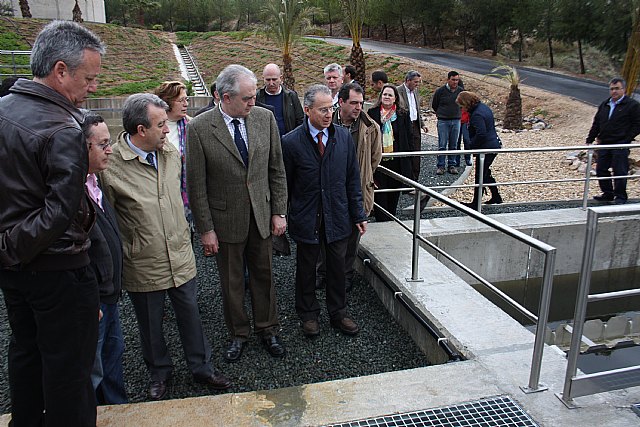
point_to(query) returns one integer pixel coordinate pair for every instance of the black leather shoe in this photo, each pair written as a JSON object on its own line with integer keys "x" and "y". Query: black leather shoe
{"x": 494, "y": 201}
{"x": 620, "y": 201}
{"x": 157, "y": 390}
{"x": 274, "y": 346}
{"x": 234, "y": 351}
{"x": 603, "y": 198}
{"x": 320, "y": 282}
{"x": 216, "y": 381}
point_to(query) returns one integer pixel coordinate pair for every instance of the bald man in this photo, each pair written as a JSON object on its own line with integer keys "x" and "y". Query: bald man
{"x": 286, "y": 104}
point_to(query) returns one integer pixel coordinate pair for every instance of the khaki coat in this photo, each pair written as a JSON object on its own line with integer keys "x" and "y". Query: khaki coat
{"x": 369, "y": 154}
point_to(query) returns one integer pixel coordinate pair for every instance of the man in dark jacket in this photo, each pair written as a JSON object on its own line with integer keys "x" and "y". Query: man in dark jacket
{"x": 45, "y": 217}
{"x": 286, "y": 104}
{"x": 617, "y": 121}
{"x": 325, "y": 202}
{"x": 106, "y": 262}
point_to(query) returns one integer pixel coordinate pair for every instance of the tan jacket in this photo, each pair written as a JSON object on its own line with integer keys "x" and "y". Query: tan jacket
{"x": 222, "y": 192}
{"x": 403, "y": 101}
{"x": 369, "y": 155}
{"x": 155, "y": 236}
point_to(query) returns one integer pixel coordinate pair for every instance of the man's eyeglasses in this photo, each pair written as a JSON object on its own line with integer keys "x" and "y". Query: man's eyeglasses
{"x": 104, "y": 145}
{"x": 326, "y": 110}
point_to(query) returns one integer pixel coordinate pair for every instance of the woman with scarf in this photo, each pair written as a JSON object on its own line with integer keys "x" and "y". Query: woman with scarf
{"x": 395, "y": 127}
{"x": 175, "y": 95}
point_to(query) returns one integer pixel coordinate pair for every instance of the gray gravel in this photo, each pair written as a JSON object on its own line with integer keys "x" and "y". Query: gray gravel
{"x": 381, "y": 346}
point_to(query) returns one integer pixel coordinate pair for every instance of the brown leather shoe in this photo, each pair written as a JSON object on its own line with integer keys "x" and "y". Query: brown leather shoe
{"x": 311, "y": 328}
{"x": 216, "y": 381}
{"x": 157, "y": 390}
{"x": 346, "y": 326}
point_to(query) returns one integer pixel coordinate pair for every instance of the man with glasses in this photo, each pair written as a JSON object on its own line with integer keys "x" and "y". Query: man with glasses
{"x": 49, "y": 290}
{"x": 325, "y": 205}
{"x": 238, "y": 192}
{"x": 617, "y": 121}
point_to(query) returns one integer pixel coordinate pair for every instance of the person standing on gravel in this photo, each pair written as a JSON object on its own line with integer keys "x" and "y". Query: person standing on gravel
{"x": 449, "y": 114}
{"x": 409, "y": 100}
{"x": 49, "y": 290}
{"x": 143, "y": 185}
{"x": 334, "y": 78}
{"x": 325, "y": 204}
{"x": 617, "y": 121}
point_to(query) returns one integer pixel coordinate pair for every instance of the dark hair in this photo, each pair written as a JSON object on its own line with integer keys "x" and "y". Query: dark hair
{"x": 7, "y": 82}
{"x": 399, "y": 109}
{"x": 617, "y": 80}
{"x": 452, "y": 74}
{"x": 351, "y": 70}
{"x": 346, "y": 89}
{"x": 135, "y": 111}
{"x": 91, "y": 120}
{"x": 379, "y": 75}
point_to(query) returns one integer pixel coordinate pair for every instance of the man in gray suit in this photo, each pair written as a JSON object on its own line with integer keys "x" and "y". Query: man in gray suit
{"x": 410, "y": 101}
{"x": 237, "y": 185}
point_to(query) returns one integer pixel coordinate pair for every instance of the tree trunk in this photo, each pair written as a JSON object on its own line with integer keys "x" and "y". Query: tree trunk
{"x": 357, "y": 60}
{"x": 386, "y": 31}
{"x": 520, "y": 41}
{"x": 77, "y": 13}
{"x": 24, "y": 9}
{"x": 404, "y": 31}
{"x": 513, "y": 110}
{"x": 550, "y": 52}
{"x": 440, "y": 37}
{"x": 494, "y": 50}
{"x": 140, "y": 17}
{"x": 631, "y": 65}
{"x": 368, "y": 31}
{"x": 465, "y": 46}
{"x": 582, "y": 70}
{"x": 288, "y": 79}
{"x": 424, "y": 34}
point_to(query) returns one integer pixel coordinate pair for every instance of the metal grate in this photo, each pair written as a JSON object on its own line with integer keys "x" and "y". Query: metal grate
{"x": 489, "y": 412}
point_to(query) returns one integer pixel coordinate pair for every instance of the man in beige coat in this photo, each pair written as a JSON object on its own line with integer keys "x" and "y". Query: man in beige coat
{"x": 143, "y": 185}
{"x": 238, "y": 192}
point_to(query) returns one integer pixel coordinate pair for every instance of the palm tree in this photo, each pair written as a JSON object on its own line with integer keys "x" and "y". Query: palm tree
{"x": 286, "y": 21}
{"x": 513, "y": 108}
{"x": 631, "y": 66}
{"x": 24, "y": 9}
{"x": 354, "y": 12}
{"x": 77, "y": 13}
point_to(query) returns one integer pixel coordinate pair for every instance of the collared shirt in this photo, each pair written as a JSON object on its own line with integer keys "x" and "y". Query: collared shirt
{"x": 413, "y": 110}
{"x": 232, "y": 129}
{"x": 314, "y": 133}
{"x": 141, "y": 153}
{"x": 94, "y": 191}
{"x": 612, "y": 104}
{"x": 273, "y": 94}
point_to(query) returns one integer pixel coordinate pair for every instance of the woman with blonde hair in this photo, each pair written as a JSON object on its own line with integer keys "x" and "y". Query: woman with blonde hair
{"x": 482, "y": 131}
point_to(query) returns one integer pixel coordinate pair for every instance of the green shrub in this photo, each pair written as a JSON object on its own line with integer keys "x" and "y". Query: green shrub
{"x": 158, "y": 27}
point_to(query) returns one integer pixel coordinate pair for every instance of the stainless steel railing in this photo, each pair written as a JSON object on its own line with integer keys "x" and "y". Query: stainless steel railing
{"x": 18, "y": 70}
{"x": 583, "y": 385}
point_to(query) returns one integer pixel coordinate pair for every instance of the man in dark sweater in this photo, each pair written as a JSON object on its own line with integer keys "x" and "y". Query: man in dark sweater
{"x": 448, "y": 113}
{"x": 617, "y": 121}
{"x": 286, "y": 104}
{"x": 106, "y": 262}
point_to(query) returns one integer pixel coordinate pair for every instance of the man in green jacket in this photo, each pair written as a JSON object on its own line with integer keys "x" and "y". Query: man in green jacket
{"x": 143, "y": 185}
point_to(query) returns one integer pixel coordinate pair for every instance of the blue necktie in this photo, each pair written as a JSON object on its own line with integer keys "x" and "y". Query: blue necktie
{"x": 150, "y": 160}
{"x": 237, "y": 138}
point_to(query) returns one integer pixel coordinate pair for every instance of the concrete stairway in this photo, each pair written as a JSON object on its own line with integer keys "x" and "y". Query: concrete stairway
{"x": 199, "y": 86}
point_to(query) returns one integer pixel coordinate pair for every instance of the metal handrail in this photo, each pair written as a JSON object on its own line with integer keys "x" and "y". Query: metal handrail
{"x": 549, "y": 264}
{"x": 575, "y": 386}
{"x": 13, "y": 65}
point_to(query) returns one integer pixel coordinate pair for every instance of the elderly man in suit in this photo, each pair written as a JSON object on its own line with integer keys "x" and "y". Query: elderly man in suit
{"x": 143, "y": 185}
{"x": 410, "y": 101}
{"x": 238, "y": 189}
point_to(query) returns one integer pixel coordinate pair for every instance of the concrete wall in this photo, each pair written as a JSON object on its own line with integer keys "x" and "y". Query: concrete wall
{"x": 498, "y": 257}
{"x": 92, "y": 10}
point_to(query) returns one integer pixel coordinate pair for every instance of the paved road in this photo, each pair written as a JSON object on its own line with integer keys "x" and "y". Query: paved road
{"x": 588, "y": 91}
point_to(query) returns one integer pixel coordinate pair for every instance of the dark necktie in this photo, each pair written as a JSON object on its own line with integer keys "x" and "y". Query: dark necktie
{"x": 237, "y": 138}
{"x": 150, "y": 160}
{"x": 320, "y": 144}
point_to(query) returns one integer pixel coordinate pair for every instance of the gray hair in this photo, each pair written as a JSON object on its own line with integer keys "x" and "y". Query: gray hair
{"x": 135, "y": 111}
{"x": 63, "y": 41}
{"x": 617, "y": 80}
{"x": 228, "y": 80}
{"x": 312, "y": 92}
{"x": 411, "y": 75}
{"x": 333, "y": 67}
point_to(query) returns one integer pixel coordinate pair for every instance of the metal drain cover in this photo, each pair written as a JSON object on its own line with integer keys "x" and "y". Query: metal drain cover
{"x": 489, "y": 412}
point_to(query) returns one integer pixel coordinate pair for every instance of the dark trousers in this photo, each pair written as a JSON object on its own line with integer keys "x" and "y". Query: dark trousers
{"x": 618, "y": 160}
{"x": 307, "y": 305}
{"x": 54, "y": 324}
{"x": 487, "y": 178}
{"x": 388, "y": 201}
{"x": 149, "y": 308}
{"x": 416, "y": 140}
{"x": 107, "y": 376}
{"x": 349, "y": 259}
{"x": 258, "y": 255}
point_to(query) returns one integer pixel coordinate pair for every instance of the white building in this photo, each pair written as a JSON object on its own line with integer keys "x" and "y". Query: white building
{"x": 92, "y": 10}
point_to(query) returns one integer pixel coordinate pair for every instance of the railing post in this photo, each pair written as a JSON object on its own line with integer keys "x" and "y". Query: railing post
{"x": 587, "y": 179}
{"x": 479, "y": 170}
{"x": 416, "y": 232}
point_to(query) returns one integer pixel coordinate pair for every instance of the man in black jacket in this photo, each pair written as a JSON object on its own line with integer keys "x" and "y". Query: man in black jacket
{"x": 617, "y": 121}
{"x": 45, "y": 217}
{"x": 106, "y": 262}
{"x": 286, "y": 104}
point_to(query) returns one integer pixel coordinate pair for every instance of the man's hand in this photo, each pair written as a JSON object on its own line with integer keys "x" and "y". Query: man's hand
{"x": 362, "y": 227}
{"x": 210, "y": 243}
{"x": 279, "y": 225}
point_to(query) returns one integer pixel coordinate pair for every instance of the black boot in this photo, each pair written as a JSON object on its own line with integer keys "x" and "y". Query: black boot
{"x": 495, "y": 196}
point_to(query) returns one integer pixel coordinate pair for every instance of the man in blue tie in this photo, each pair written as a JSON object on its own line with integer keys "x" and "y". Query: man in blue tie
{"x": 617, "y": 121}
{"x": 143, "y": 185}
